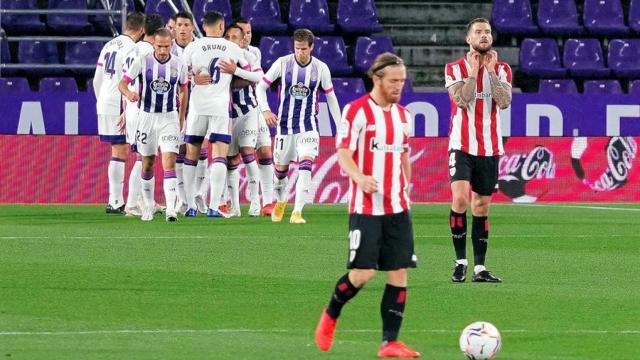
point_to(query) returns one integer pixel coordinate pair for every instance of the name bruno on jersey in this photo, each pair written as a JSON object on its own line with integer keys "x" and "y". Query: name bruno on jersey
{"x": 211, "y": 47}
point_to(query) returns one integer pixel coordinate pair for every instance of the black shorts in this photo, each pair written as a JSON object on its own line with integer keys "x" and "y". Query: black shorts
{"x": 480, "y": 171}
{"x": 381, "y": 242}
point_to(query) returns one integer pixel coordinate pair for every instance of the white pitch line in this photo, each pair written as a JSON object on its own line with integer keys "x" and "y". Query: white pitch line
{"x": 590, "y": 207}
{"x": 210, "y": 331}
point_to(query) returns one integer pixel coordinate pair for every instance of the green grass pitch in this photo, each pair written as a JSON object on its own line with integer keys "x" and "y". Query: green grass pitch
{"x": 76, "y": 283}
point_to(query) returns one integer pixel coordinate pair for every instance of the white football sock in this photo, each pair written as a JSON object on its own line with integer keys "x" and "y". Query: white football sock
{"x": 462, "y": 261}
{"x": 302, "y": 189}
{"x": 233, "y": 183}
{"x": 266, "y": 183}
{"x": 201, "y": 169}
{"x": 148, "y": 188}
{"x": 116, "y": 182}
{"x": 280, "y": 189}
{"x": 217, "y": 177}
{"x": 189, "y": 178}
{"x": 478, "y": 268}
{"x": 180, "y": 183}
{"x": 134, "y": 184}
{"x": 169, "y": 185}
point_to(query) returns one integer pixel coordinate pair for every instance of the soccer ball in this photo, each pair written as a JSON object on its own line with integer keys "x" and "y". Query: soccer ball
{"x": 480, "y": 341}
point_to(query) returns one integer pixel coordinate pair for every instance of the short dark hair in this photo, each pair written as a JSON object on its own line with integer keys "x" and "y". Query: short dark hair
{"x": 173, "y": 17}
{"x": 382, "y": 61}
{"x": 475, "y": 21}
{"x": 303, "y": 35}
{"x": 163, "y": 32}
{"x": 212, "y": 17}
{"x": 152, "y": 23}
{"x": 234, "y": 26}
{"x": 184, "y": 15}
{"x": 135, "y": 21}
{"x": 242, "y": 21}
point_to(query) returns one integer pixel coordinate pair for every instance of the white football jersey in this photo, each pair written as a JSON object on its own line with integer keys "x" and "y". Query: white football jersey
{"x": 244, "y": 99}
{"x": 112, "y": 58}
{"x": 203, "y": 55}
{"x": 142, "y": 48}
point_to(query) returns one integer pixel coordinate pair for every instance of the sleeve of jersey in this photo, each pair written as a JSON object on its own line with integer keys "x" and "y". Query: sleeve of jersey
{"x": 327, "y": 84}
{"x": 349, "y": 129}
{"x": 407, "y": 130}
{"x": 261, "y": 89}
{"x": 133, "y": 71}
{"x": 452, "y": 75}
{"x": 184, "y": 78}
{"x": 504, "y": 74}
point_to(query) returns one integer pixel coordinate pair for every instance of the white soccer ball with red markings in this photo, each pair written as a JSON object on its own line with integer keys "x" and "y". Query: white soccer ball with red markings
{"x": 480, "y": 341}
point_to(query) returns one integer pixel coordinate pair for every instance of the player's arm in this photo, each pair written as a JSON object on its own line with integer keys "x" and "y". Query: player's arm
{"x": 500, "y": 89}
{"x": 127, "y": 77}
{"x": 405, "y": 162}
{"x": 463, "y": 93}
{"x": 332, "y": 100}
{"x": 97, "y": 77}
{"x": 183, "y": 91}
{"x": 349, "y": 166}
{"x": 261, "y": 92}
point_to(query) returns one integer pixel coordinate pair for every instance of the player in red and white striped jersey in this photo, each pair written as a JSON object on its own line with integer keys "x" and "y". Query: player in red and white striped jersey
{"x": 373, "y": 149}
{"x": 479, "y": 85}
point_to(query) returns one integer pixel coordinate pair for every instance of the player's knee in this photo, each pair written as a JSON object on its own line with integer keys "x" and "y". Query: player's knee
{"x": 397, "y": 277}
{"x": 459, "y": 203}
{"x": 264, "y": 152}
{"x": 359, "y": 277}
{"x": 305, "y": 165}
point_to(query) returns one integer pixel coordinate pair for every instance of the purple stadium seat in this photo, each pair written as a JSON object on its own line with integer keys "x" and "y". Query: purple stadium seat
{"x": 264, "y": 16}
{"x": 101, "y": 22}
{"x": 162, "y": 8}
{"x": 22, "y": 24}
{"x": 358, "y": 16}
{"x": 367, "y": 48}
{"x": 349, "y": 85}
{"x": 634, "y": 88}
{"x": 14, "y": 84}
{"x": 58, "y": 84}
{"x": 273, "y": 47}
{"x": 69, "y": 24}
{"x": 5, "y": 55}
{"x": 558, "y": 17}
{"x": 604, "y": 17}
{"x": 634, "y": 15}
{"x": 83, "y": 53}
{"x": 201, "y": 7}
{"x": 313, "y": 15}
{"x": 331, "y": 50}
{"x": 583, "y": 58}
{"x": 90, "y": 85}
{"x": 541, "y": 57}
{"x": 513, "y": 17}
{"x": 624, "y": 56}
{"x": 39, "y": 52}
{"x": 602, "y": 87}
{"x": 556, "y": 86}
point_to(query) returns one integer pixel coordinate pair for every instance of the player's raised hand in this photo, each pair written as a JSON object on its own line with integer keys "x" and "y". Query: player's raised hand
{"x": 490, "y": 60}
{"x": 270, "y": 118}
{"x": 202, "y": 78}
{"x": 368, "y": 184}
{"x": 227, "y": 66}
{"x": 474, "y": 59}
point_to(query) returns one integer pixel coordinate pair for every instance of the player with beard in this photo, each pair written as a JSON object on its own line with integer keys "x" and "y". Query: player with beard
{"x": 373, "y": 150}
{"x": 478, "y": 85}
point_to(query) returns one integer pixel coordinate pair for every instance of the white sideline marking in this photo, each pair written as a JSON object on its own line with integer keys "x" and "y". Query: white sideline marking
{"x": 591, "y": 207}
{"x": 213, "y": 331}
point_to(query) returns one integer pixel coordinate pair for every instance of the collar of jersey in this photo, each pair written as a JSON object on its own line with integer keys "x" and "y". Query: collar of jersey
{"x": 154, "y": 56}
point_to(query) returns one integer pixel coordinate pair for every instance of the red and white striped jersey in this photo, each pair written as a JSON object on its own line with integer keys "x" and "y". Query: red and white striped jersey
{"x": 378, "y": 139}
{"x": 476, "y": 130}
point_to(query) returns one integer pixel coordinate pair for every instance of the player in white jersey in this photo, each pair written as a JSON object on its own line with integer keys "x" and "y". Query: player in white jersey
{"x": 263, "y": 142}
{"x": 209, "y": 59}
{"x": 244, "y": 118}
{"x": 161, "y": 76}
{"x": 297, "y": 137}
{"x": 184, "y": 27}
{"x": 171, "y": 25}
{"x": 109, "y": 105}
{"x": 152, "y": 23}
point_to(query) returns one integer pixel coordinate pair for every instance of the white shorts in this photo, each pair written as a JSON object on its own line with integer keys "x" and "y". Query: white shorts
{"x": 245, "y": 132}
{"x": 216, "y": 127}
{"x": 264, "y": 134}
{"x": 157, "y": 129}
{"x": 108, "y": 129}
{"x": 292, "y": 147}
{"x": 131, "y": 115}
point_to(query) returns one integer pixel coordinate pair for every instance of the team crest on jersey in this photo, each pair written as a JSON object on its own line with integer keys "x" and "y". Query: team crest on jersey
{"x": 299, "y": 91}
{"x": 160, "y": 86}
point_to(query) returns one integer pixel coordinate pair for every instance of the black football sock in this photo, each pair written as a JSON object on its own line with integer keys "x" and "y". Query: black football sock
{"x": 479, "y": 238}
{"x": 392, "y": 311}
{"x": 458, "y": 224}
{"x": 343, "y": 292}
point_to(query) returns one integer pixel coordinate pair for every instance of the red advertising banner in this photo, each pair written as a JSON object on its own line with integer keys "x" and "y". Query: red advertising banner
{"x": 73, "y": 169}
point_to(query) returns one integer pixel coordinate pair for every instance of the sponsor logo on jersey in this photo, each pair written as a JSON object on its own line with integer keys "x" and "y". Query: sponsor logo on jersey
{"x": 160, "y": 86}
{"x": 299, "y": 91}
{"x": 377, "y": 145}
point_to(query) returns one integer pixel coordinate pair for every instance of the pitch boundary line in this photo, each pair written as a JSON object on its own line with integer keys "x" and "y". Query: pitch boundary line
{"x": 590, "y": 207}
{"x": 240, "y": 330}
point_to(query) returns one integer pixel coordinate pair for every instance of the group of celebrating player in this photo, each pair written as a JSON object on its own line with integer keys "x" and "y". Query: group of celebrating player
{"x": 182, "y": 92}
